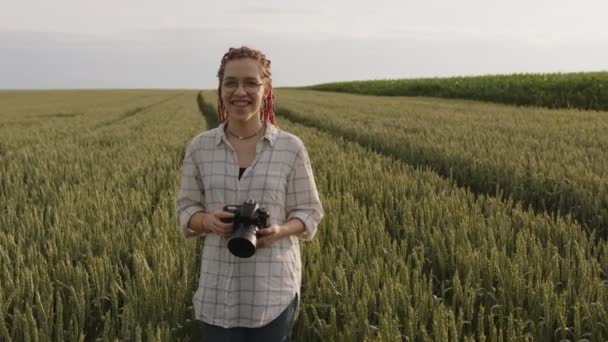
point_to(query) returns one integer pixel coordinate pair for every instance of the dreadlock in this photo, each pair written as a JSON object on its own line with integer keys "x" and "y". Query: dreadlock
{"x": 267, "y": 111}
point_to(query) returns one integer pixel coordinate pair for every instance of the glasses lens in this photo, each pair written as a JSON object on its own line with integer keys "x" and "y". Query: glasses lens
{"x": 249, "y": 86}
{"x": 230, "y": 84}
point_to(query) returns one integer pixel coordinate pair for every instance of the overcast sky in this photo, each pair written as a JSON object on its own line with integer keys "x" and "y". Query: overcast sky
{"x": 179, "y": 43}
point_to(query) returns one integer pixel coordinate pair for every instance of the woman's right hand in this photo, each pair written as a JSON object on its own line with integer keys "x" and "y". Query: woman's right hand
{"x": 212, "y": 223}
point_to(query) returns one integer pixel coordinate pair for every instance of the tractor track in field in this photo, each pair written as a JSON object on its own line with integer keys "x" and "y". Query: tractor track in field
{"x": 7, "y": 151}
{"x": 133, "y": 111}
{"x": 585, "y": 219}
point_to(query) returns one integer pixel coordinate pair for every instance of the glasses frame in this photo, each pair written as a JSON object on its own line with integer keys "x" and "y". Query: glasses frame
{"x": 242, "y": 84}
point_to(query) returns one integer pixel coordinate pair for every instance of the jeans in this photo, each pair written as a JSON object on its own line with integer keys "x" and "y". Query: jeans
{"x": 278, "y": 330}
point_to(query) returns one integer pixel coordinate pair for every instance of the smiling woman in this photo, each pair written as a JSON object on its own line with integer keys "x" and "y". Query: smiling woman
{"x": 247, "y": 157}
{"x": 254, "y": 69}
{"x": 245, "y": 102}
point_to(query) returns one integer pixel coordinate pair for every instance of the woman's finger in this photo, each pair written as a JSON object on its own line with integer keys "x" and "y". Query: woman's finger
{"x": 224, "y": 215}
{"x": 266, "y": 231}
{"x": 226, "y": 225}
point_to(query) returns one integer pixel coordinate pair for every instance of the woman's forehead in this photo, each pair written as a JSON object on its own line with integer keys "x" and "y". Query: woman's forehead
{"x": 243, "y": 68}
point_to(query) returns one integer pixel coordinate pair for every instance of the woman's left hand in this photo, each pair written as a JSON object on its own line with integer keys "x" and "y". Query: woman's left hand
{"x": 267, "y": 236}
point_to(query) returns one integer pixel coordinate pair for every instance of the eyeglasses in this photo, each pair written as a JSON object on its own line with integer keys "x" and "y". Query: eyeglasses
{"x": 250, "y": 86}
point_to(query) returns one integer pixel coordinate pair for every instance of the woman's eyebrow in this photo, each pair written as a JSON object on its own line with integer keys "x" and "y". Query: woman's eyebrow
{"x": 245, "y": 78}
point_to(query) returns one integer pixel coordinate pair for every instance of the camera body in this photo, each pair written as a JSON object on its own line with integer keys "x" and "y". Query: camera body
{"x": 248, "y": 218}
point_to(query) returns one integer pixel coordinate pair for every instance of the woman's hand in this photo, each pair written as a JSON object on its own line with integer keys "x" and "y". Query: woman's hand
{"x": 212, "y": 223}
{"x": 267, "y": 236}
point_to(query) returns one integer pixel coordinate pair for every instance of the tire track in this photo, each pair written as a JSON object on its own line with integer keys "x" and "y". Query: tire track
{"x": 591, "y": 222}
{"x": 134, "y": 111}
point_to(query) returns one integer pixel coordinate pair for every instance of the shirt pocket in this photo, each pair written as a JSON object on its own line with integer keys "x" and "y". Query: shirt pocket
{"x": 268, "y": 187}
{"x": 273, "y": 188}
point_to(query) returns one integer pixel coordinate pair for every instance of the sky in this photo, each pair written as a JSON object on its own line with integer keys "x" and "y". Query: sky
{"x": 179, "y": 43}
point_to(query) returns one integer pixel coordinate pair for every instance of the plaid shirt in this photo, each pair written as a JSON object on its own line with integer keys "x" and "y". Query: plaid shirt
{"x": 248, "y": 292}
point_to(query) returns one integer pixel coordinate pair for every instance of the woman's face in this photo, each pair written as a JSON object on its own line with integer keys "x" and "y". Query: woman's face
{"x": 243, "y": 89}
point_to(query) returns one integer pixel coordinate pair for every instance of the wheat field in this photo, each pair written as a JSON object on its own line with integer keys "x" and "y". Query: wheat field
{"x": 446, "y": 220}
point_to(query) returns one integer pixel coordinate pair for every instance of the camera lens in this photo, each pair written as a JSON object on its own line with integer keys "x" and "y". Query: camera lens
{"x": 243, "y": 243}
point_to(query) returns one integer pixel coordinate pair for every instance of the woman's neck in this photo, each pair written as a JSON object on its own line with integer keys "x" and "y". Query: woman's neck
{"x": 244, "y": 129}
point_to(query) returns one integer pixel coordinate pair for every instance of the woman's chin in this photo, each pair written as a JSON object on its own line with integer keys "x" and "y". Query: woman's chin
{"x": 241, "y": 113}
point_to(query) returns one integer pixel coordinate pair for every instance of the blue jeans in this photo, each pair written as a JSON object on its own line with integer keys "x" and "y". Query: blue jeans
{"x": 278, "y": 330}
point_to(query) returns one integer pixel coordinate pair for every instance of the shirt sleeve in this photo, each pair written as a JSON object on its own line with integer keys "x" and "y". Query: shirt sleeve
{"x": 191, "y": 195}
{"x": 302, "y": 196}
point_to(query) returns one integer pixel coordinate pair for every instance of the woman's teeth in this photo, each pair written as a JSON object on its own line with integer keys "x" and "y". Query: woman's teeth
{"x": 240, "y": 103}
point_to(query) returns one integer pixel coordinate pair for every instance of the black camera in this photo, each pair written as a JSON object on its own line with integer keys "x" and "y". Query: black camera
{"x": 248, "y": 218}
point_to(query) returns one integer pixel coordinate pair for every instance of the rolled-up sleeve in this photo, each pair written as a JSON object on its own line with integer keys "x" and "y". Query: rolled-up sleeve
{"x": 302, "y": 196}
{"x": 191, "y": 195}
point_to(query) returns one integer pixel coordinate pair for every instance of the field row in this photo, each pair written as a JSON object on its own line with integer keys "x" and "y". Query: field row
{"x": 553, "y": 161}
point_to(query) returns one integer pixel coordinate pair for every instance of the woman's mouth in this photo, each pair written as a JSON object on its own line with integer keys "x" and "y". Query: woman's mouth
{"x": 241, "y": 103}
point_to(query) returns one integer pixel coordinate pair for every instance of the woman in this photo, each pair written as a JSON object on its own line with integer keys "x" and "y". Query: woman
{"x": 248, "y": 157}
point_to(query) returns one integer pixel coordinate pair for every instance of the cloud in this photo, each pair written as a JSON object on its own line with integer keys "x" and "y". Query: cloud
{"x": 189, "y": 58}
{"x": 273, "y": 10}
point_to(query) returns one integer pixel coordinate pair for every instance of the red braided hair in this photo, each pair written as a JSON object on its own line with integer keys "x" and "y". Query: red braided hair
{"x": 267, "y": 111}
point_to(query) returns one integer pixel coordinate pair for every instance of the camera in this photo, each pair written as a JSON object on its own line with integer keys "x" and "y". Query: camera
{"x": 248, "y": 218}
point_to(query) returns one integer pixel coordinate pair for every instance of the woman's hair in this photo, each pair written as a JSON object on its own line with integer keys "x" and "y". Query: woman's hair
{"x": 267, "y": 110}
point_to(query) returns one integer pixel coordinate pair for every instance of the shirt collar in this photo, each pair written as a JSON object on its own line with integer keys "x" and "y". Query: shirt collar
{"x": 270, "y": 134}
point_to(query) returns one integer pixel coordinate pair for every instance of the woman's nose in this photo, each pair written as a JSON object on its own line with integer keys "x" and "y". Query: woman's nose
{"x": 240, "y": 89}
